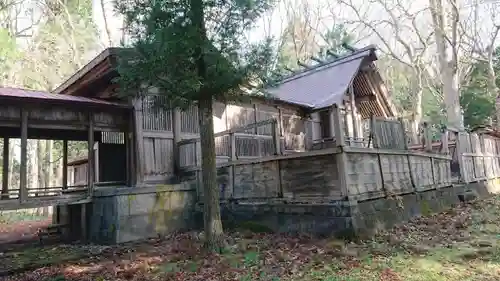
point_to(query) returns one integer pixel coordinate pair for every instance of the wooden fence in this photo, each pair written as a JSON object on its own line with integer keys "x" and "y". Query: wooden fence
{"x": 234, "y": 144}
{"x": 316, "y": 176}
{"x": 479, "y": 157}
{"x": 337, "y": 173}
{"x": 375, "y": 173}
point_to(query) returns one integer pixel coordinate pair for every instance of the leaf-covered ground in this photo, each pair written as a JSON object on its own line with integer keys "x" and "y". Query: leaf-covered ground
{"x": 18, "y": 226}
{"x": 462, "y": 244}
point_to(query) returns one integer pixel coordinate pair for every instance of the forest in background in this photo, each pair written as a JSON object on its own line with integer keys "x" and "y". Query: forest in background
{"x": 43, "y": 42}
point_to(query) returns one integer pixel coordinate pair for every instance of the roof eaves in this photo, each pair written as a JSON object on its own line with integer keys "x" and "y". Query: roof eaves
{"x": 288, "y": 101}
{"x": 85, "y": 69}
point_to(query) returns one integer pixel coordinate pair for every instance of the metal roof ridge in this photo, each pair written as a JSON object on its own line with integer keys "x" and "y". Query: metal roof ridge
{"x": 328, "y": 64}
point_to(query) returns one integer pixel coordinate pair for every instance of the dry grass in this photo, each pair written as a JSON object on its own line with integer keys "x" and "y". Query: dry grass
{"x": 462, "y": 244}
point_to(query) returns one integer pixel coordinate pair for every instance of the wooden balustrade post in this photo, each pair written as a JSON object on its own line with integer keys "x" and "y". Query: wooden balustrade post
{"x": 276, "y": 138}
{"x": 427, "y": 138}
{"x": 176, "y": 128}
{"x": 195, "y": 151}
{"x": 374, "y": 140}
{"x": 444, "y": 141}
{"x": 232, "y": 146}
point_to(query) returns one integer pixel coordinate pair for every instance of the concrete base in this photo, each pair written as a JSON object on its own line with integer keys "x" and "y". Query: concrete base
{"x": 121, "y": 214}
{"x": 321, "y": 219}
{"x": 126, "y": 214}
{"x": 361, "y": 219}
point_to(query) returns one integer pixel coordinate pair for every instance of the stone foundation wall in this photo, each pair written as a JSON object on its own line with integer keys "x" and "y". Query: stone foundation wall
{"x": 320, "y": 219}
{"x": 126, "y": 214}
{"x": 343, "y": 218}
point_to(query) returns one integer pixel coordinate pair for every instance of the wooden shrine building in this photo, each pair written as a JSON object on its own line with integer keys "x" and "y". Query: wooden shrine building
{"x": 133, "y": 144}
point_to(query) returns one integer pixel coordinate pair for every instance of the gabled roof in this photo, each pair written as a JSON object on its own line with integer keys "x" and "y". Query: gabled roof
{"x": 326, "y": 84}
{"x": 78, "y": 75}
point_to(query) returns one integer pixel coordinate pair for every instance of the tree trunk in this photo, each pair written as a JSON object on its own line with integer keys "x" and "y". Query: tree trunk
{"x": 452, "y": 98}
{"x": 106, "y": 26}
{"x": 493, "y": 90}
{"x": 214, "y": 235}
{"x": 212, "y": 219}
{"x": 417, "y": 107}
{"x": 448, "y": 67}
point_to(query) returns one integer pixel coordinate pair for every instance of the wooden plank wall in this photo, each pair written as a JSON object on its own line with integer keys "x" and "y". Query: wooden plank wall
{"x": 253, "y": 142}
{"x": 380, "y": 173}
{"x": 294, "y": 178}
{"x": 479, "y": 156}
{"x": 157, "y": 137}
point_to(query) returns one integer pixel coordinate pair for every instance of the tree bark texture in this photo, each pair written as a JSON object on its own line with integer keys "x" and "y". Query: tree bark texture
{"x": 214, "y": 236}
{"x": 448, "y": 66}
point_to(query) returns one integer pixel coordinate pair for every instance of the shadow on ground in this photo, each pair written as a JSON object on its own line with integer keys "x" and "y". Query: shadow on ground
{"x": 461, "y": 244}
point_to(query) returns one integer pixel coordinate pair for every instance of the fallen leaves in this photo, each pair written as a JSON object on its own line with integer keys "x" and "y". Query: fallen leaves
{"x": 453, "y": 245}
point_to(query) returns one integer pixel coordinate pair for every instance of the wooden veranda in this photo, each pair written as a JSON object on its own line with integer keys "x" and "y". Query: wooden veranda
{"x": 26, "y": 114}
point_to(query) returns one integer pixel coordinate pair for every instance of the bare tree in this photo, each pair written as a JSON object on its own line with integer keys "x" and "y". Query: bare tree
{"x": 482, "y": 36}
{"x": 106, "y": 24}
{"x": 448, "y": 37}
{"x": 398, "y": 29}
{"x": 300, "y": 38}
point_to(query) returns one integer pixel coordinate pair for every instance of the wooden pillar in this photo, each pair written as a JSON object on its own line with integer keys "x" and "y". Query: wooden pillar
{"x": 65, "y": 165}
{"x": 336, "y": 118}
{"x": 5, "y": 169}
{"x": 91, "y": 155}
{"x": 232, "y": 145}
{"x": 139, "y": 142}
{"x": 427, "y": 138}
{"x": 276, "y": 138}
{"x": 355, "y": 126}
{"x": 23, "y": 180}
{"x": 444, "y": 141}
{"x": 176, "y": 128}
{"x": 344, "y": 119}
{"x": 128, "y": 164}
{"x": 255, "y": 118}
{"x": 341, "y": 157}
{"x": 83, "y": 222}
{"x": 280, "y": 121}
{"x": 316, "y": 126}
{"x": 232, "y": 158}
{"x": 333, "y": 133}
{"x": 96, "y": 162}
{"x": 129, "y": 138}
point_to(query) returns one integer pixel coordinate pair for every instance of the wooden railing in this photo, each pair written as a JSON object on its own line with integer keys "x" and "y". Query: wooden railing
{"x": 47, "y": 196}
{"x": 234, "y": 144}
